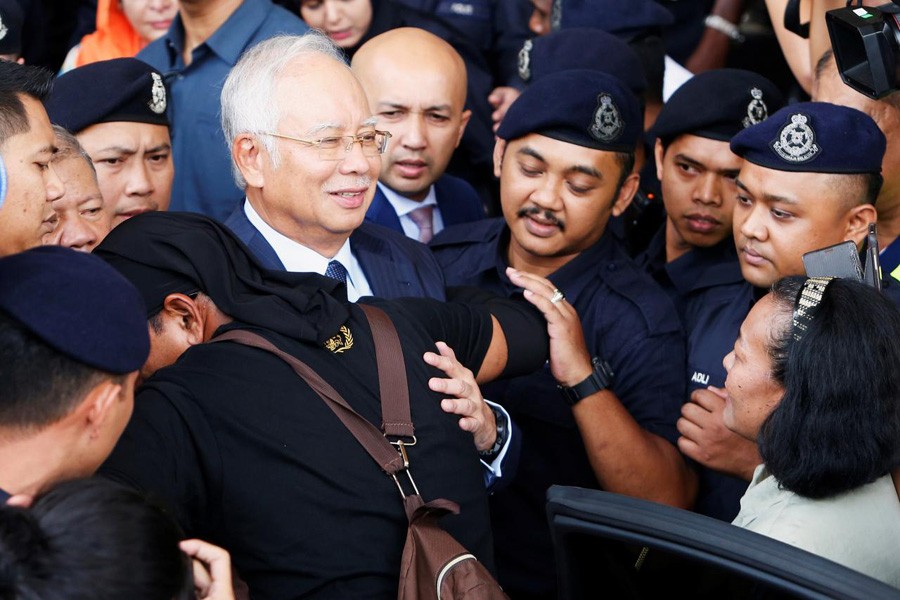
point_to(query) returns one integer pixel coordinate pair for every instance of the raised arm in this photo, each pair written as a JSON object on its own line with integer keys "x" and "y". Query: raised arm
{"x": 625, "y": 457}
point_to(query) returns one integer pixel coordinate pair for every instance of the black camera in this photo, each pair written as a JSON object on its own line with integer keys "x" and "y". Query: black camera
{"x": 866, "y": 43}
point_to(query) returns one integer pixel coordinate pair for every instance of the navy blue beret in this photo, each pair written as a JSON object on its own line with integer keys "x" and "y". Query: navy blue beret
{"x": 718, "y": 104}
{"x": 11, "y": 21}
{"x": 814, "y": 137}
{"x": 581, "y": 107}
{"x": 78, "y": 305}
{"x": 121, "y": 89}
{"x": 581, "y": 48}
{"x": 624, "y": 18}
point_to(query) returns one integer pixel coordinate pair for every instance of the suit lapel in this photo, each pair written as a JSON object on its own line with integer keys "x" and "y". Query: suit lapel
{"x": 387, "y": 276}
{"x": 244, "y": 229}
{"x": 382, "y": 213}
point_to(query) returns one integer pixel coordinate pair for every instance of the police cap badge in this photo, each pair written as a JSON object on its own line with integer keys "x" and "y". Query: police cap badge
{"x": 586, "y": 108}
{"x": 717, "y": 104}
{"x": 815, "y": 137}
{"x": 121, "y": 89}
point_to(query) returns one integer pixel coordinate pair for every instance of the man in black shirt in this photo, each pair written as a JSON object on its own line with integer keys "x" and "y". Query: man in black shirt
{"x": 248, "y": 456}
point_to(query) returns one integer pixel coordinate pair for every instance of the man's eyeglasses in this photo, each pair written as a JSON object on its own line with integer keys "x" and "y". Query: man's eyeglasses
{"x": 372, "y": 143}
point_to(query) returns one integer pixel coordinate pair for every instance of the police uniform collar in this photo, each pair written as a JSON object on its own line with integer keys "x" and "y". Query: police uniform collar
{"x": 702, "y": 268}
{"x": 604, "y": 259}
{"x": 653, "y": 258}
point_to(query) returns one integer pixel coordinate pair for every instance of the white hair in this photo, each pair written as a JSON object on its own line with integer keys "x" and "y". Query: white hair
{"x": 68, "y": 146}
{"x": 248, "y": 104}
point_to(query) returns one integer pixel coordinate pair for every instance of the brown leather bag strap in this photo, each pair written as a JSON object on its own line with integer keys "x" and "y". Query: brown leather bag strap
{"x": 365, "y": 433}
{"x": 396, "y": 419}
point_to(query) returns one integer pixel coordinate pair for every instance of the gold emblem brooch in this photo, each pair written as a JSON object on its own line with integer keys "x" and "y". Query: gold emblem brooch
{"x": 341, "y": 342}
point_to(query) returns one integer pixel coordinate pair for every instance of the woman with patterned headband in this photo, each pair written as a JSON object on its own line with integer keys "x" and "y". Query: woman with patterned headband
{"x": 813, "y": 379}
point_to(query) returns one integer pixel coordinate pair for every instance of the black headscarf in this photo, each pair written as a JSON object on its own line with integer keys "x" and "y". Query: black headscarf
{"x": 164, "y": 252}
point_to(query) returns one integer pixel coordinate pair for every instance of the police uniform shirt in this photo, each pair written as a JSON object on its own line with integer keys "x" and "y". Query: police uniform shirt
{"x": 705, "y": 285}
{"x": 250, "y": 458}
{"x": 715, "y": 319}
{"x": 692, "y": 273}
{"x": 627, "y": 321}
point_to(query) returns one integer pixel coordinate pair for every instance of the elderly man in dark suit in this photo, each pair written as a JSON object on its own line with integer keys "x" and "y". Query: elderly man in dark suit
{"x": 306, "y": 152}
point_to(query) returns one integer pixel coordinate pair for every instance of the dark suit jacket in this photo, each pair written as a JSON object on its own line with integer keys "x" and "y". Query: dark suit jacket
{"x": 395, "y": 265}
{"x": 456, "y": 199}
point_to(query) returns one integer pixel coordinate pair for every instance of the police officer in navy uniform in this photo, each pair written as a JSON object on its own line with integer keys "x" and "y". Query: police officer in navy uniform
{"x": 692, "y": 255}
{"x": 565, "y": 166}
{"x": 697, "y": 171}
{"x": 598, "y": 50}
{"x": 799, "y": 190}
{"x": 117, "y": 110}
{"x": 67, "y": 371}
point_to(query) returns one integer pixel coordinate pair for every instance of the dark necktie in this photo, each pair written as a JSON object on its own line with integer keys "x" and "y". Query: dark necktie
{"x": 337, "y": 271}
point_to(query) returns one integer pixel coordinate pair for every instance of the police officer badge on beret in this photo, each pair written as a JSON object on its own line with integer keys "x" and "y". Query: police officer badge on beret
{"x": 608, "y": 123}
{"x": 3, "y": 29}
{"x": 796, "y": 141}
{"x": 158, "y": 95}
{"x": 757, "y": 112}
{"x": 525, "y": 60}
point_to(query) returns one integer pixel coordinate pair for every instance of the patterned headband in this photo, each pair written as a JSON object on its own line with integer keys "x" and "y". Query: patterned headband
{"x": 808, "y": 299}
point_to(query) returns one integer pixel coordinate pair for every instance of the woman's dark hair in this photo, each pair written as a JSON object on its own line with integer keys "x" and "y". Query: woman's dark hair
{"x": 91, "y": 539}
{"x": 838, "y": 425}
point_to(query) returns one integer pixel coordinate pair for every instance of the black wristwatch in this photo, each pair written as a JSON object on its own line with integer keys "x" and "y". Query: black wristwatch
{"x": 599, "y": 379}
{"x": 502, "y": 432}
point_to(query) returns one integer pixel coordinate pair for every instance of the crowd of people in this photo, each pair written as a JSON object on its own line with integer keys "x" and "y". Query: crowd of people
{"x": 587, "y": 221}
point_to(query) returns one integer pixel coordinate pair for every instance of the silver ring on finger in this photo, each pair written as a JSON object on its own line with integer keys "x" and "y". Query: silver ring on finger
{"x": 557, "y": 296}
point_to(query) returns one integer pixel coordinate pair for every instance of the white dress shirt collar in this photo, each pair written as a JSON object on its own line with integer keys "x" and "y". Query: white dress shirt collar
{"x": 298, "y": 258}
{"x": 403, "y": 206}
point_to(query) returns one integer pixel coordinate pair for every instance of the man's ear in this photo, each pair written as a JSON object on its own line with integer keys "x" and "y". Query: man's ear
{"x": 499, "y": 151}
{"x": 626, "y": 194}
{"x": 184, "y": 313}
{"x": 248, "y": 153}
{"x": 659, "y": 153}
{"x": 858, "y": 220}
{"x": 466, "y": 115}
{"x": 98, "y": 404}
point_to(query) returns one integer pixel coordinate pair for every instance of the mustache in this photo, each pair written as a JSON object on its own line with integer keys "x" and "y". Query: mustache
{"x": 355, "y": 182}
{"x": 547, "y": 215}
